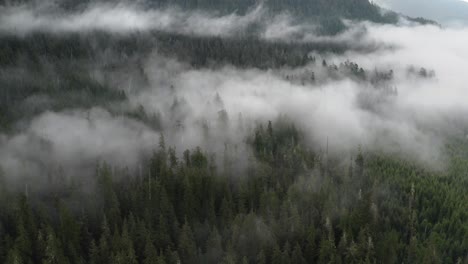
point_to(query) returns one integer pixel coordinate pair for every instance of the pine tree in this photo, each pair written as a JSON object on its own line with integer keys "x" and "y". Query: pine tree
{"x": 69, "y": 233}
{"x": 14, "y": 257}
{"x": 186, "y": 244}
{"x": 359, "y": 163}
{"x": 230, "y": 257}
{"x": 151, "y": 255}
{"x": 285, "y": 255}
{"x": 277, "y": 256}
{"x": 310, "y": 251}
{"x": 245, "y": 260}
{"x": 214, "y": 249}
{"x": 127, "y": 250}
{"x": 327, "y": 250}
{"x": 261, "y": 258}
{"x": 104, "y": 242}
{"x": 53, "y": 251}
{"x": 297, "y": 257}
{"x": 94, "y": 257}
{"x": 412, "y": 256}
{"x": 162, "y": 232}
{"x": 161, "y": 259}
{"x": 23, "y": 243}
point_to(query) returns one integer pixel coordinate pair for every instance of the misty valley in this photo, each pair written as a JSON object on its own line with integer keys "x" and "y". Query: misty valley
{"x": 244, "y": 131}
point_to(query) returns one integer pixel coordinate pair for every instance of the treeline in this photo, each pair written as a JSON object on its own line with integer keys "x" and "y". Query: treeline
{"x": 44, "y": 71}
{"x": 304, "y": 9}
{"x": 242, "y": 51}
{"x": 292, "y": 205}
{"x": 326, "y": 13}
{"x": 356, "y": 9}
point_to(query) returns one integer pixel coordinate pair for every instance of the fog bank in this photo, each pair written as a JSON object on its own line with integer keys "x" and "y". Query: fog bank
{"x": 411, "y": 114}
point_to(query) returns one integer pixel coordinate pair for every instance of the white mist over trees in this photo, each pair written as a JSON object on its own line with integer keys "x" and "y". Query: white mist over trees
{"x": 230, "y": 132}
{"x": 416, "y": 120}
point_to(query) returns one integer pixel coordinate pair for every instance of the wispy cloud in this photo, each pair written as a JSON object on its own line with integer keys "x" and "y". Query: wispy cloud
{"x": 123, "y": 18}
{"x": 215, "y": 108}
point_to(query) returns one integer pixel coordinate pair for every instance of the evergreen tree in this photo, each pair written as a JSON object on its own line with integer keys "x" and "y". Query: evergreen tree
{"x": 297, "y": 256}
{"x": 186, "y": 244}
{"x": 53, "y": 250}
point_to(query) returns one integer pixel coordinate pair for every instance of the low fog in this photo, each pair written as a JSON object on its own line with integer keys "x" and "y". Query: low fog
{"x": 121, "y": 18}
{"x": 217, "y": 109}
{"x": 75, "y": 142}
{"x": 124, "y": 18}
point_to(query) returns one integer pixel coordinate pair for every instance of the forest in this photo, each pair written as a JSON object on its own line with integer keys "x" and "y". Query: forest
{"x": 294, "y": 205}
{"x": 172, "y": 145}
{"x": 327, "y": 14}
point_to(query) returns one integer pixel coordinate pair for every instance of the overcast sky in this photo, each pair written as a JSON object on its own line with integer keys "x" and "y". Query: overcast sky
{"x": 446, "y": 12}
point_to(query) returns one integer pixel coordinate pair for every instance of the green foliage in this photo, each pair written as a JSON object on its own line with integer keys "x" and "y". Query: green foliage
{"x": 286, "y": 210}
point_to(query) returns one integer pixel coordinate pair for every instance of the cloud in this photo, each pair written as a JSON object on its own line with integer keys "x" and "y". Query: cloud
{"x": 442, "y": 50}
{"x": 328, "y": 111}
{"x": 123, "y": 18}
{"x": 75, "y": 141}
{"x": 416, "y": 121}
{"x": 218, "y": 108}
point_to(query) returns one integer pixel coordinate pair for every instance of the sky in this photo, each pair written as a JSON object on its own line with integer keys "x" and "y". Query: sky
{"x": 446, "y": 12}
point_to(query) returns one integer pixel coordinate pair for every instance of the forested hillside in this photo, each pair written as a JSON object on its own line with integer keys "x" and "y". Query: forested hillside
{"x": 293, "y": 205}
{"x": 228, "y": 132}
{"x": 356, "y": 9}
{"x": 328, "y": 14}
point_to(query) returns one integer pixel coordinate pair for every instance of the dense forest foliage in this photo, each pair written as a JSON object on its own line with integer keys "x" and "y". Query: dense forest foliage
{"x": 326, "y": 13}
{"x": 62, "y": 66}
{"x": 294, "y": 205}
{"x": 286, "y": 200}
{"x": 311, "y": 9}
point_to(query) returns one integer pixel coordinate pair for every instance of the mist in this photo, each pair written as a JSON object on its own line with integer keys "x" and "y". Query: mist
{"x": 75, "y": 142}
{"x": 417, "y": 121}
{"x": 219, "y": 108}
{"x": 123, "y": 18}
